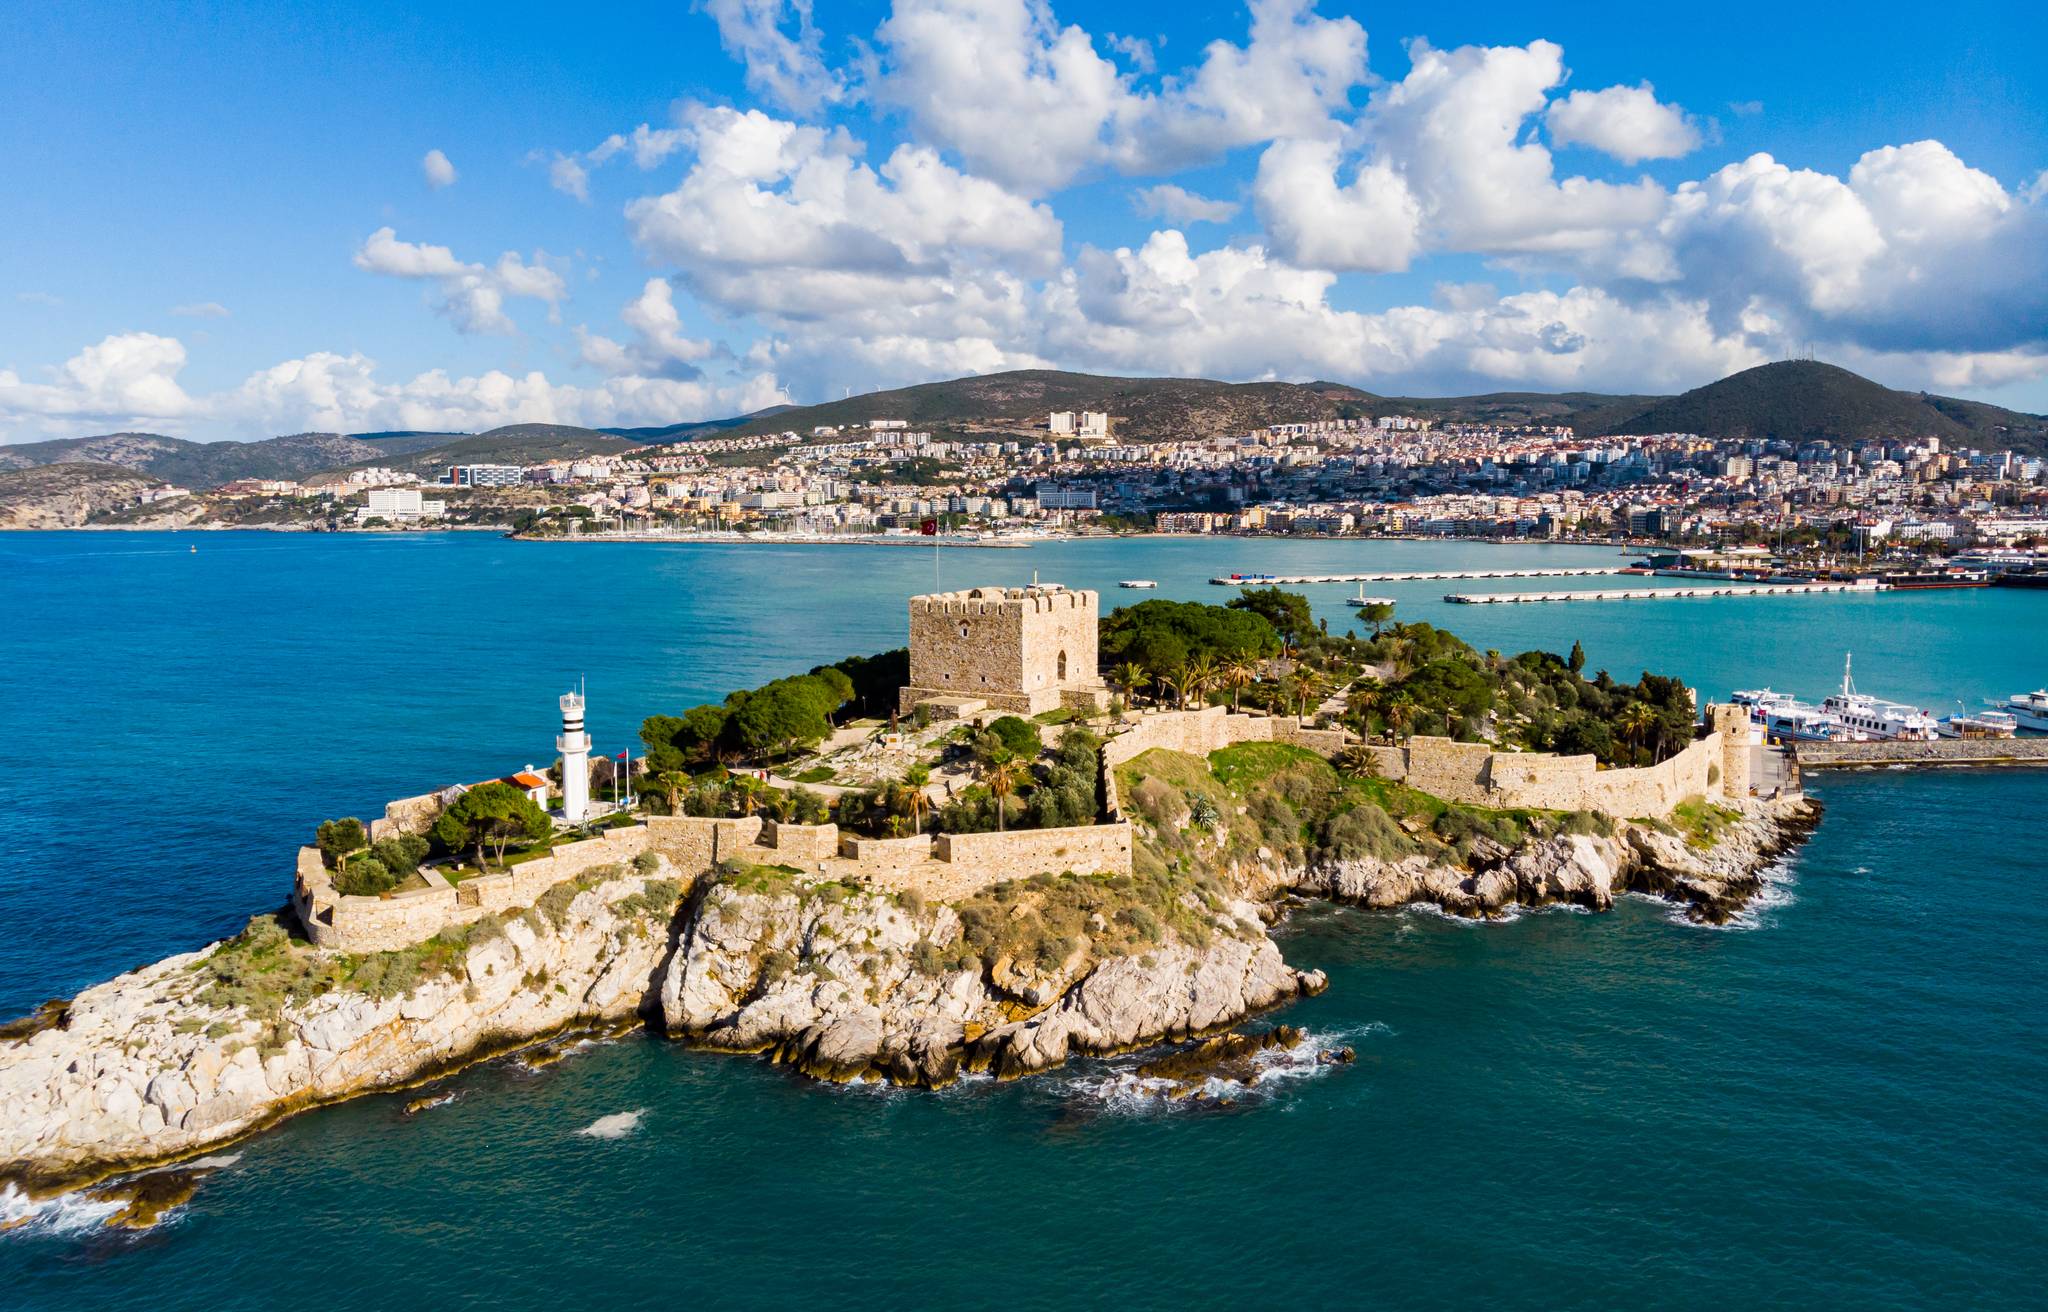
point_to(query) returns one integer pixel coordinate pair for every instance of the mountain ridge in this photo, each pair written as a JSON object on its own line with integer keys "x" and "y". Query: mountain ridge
{"x": 1787, "y": 399}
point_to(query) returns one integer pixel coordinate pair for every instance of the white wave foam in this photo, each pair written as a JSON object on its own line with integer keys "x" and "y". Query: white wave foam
{"x": 64, "y": 1214}
{"x": 616, "y": 1126}
{"x": 1123, "y": 1091}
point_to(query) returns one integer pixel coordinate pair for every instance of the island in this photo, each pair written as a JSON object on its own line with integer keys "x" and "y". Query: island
{"x": 1035, "y": 832}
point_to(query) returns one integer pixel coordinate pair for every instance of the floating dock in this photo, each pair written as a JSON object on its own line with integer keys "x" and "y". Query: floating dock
{"x": 1419, "y": 576}
{"x": 1661, "y": 594}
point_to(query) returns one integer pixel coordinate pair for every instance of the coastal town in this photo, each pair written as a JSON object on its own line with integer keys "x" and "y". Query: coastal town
{"x": 991, "y": 480}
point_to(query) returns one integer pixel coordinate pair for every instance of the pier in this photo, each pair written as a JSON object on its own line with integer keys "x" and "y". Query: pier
{"x": 1661, "y": 594}
{"x": 1414, "y": 576}
{"x": 1942, "y": 752}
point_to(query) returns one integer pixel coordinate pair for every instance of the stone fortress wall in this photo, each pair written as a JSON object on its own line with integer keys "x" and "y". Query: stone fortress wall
{"x": 1715, "y": 766}
{"x": 1025, "y": 651}
{"x": 938, "y": 867}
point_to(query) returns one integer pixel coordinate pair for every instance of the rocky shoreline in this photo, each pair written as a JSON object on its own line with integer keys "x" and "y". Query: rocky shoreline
{"x": 196, "y": 1051}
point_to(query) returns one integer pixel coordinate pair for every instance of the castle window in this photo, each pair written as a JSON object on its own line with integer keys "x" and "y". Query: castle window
{"x": 1063, "y": 667}
{"x": 963, "y": 629}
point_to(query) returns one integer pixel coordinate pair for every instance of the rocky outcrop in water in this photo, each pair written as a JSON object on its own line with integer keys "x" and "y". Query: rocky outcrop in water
{"x": 846, "y": 987}
{"x": 1713, "y": 881}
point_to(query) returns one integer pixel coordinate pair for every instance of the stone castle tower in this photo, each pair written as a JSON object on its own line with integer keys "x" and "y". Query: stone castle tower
{"x": 1020, "y": 650}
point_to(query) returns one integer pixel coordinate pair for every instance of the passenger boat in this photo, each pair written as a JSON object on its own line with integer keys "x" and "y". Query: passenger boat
{"x": 1876, "y": 718}
{"x": 1362, "y": 600}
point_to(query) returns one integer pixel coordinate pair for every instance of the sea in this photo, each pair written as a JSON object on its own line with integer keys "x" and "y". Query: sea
{"x": 1841, "y": 1100}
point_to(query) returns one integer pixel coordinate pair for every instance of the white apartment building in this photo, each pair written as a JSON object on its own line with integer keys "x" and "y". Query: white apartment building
{"x": 400, "y": 505}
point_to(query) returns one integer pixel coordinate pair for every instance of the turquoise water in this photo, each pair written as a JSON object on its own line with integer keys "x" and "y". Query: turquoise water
{"x": 1841, "y": 1101}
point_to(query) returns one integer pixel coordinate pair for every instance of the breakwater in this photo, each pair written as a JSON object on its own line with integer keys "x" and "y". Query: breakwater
{"x": 1660, "y": 594}
{"x": 1941, "y": 752}
{"x": 1414, "y": 576}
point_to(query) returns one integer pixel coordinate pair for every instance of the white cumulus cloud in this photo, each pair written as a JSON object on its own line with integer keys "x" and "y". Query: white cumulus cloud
{"x": 439, "y": 172}
{"x": 472, "y": 295}
{"x": 1629, "y": 123}
{"x": 781, "y": 50}
{"x": 1179, "y": 205}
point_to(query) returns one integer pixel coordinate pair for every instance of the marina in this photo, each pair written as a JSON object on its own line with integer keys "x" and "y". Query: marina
{"x": 1414, "y": 576}
{"x": 1664, "y": 594}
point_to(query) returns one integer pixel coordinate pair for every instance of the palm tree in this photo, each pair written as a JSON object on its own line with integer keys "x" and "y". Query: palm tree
{"x": 1002, "y": 778}
{"x": 1130, "y": 676}
{"x": 914, "y": 780}
{"x": 1238, "y": 673}
{"x": 1637, "y": 720}
{"x": 1175, "y": 681}
{"x": 1399, "y": 712}
{"x": 1358, "y": 762}
{"x": 1201, "y": 675}
{"x": 1308, "y": 686}
{"x": 1367, "y": 695}
{"x": 672, "y": 783}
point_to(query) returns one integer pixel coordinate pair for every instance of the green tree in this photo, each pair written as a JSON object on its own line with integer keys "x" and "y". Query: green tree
{"x": 1377, "y": 614}
{"x": 1019, "y": 737}
{"x": 1287, "y": 612}
{"x": 490, "y": 816}
{"x": 337, "y": 838}
{"x": 1577, "y": 662}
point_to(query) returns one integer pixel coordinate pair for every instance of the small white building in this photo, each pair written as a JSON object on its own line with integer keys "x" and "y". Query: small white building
{"x": 1063, "y": 423}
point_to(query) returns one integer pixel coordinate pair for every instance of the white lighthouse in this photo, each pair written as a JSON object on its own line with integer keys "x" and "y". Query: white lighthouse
{"x": 574, "y": 745}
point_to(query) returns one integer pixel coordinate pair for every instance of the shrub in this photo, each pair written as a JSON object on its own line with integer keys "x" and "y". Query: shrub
{"x": 1018, "y": 737}
{"x": 1202, "y": 812}
{"x": 1587, "y": 822}
{"x": 365, "y": 876}
{"x": 1361, "y": 832}
{"x": 646, "y": 863}
{"x": 402, "y": 854}
{"x": 808, "y": 808}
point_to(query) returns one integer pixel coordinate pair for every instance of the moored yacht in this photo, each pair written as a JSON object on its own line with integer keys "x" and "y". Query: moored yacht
{"x": 2029, "y": 709}
{"x": 1983, "y": 724}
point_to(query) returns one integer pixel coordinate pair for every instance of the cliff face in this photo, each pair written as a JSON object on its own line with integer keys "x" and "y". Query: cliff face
{"x": 164, "y": 1061}
{"x": 845, "y": 988}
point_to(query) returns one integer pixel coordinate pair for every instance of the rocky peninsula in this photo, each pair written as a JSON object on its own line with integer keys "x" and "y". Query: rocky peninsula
{"x": 1127, "y": 903}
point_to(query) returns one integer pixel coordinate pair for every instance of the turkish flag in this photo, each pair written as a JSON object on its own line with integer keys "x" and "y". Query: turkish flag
{"x": 929, "y": 527}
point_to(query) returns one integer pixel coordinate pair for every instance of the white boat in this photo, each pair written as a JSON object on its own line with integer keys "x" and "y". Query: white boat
{"x": 1876, "y": 718}
{"x": 1786, "y": 719}
{"x": 1136, "y": 583}
{"x": 1983, "y": 724}
{"x": 2028, "y": 709}
{"x": 1362, "y": 600}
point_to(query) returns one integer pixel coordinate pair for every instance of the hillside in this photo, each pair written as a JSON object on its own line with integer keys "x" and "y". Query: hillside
{"x": 1800, "y": 399}
{"x": 515, "y": 444}
{"x": 689, "y": 432}
{"x": 1147, "y": 409}
{"x": 66, "y": 495}
{"x": 197, "y": 465}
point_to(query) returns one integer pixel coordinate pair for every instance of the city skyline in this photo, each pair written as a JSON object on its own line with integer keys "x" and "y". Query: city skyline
{"x": 688, "y": 214}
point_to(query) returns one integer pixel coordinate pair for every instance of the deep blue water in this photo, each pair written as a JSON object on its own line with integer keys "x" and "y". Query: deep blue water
{"x": 1842, "y": 1101}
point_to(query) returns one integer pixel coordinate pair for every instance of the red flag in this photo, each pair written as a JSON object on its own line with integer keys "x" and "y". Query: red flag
{"x": 624, "y": 755}
{"x": 929, "y": 527}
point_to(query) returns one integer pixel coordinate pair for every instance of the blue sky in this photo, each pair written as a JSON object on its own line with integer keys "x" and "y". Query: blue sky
{"x": 195, "y": 238}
